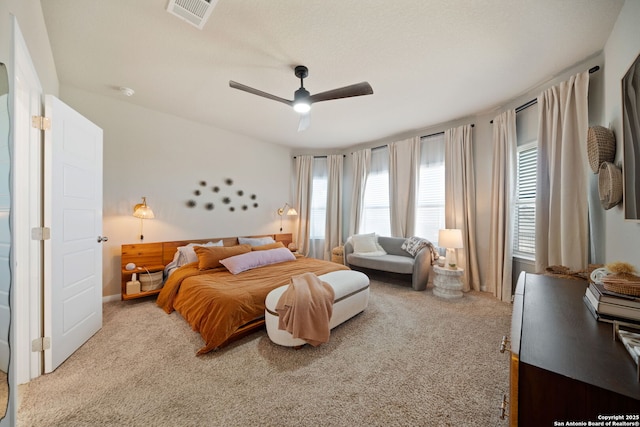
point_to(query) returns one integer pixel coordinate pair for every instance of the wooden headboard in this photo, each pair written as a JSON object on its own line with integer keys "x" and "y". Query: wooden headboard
{"x": 161, "y": 253}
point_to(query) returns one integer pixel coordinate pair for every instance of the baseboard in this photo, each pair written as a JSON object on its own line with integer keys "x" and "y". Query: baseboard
{"x": 109, "y": 298}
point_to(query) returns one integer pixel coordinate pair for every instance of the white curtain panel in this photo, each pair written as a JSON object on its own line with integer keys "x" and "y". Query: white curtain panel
{"x": 404, "y": 164}
{"x": 460, "y": 201}
{"x": 361, "y": 161}
{"x": 562, "y": 236}
{"x": 502, "y": 197}
{"x": 304, "y": 182}
{"x": 333, "y": 230}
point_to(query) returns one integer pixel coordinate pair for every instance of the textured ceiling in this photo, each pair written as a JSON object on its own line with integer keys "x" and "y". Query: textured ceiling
{"x": 428, "y": 61}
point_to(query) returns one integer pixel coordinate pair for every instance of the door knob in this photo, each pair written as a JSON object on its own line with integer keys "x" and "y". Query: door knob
{"x": 102, "y": 239}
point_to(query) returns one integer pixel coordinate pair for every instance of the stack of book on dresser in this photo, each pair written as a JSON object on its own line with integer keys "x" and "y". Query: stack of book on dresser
{"x": 607, "y": 306}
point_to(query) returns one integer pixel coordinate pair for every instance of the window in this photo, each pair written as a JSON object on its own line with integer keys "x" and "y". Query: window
{"x": 430, "y": 203}
{"x": 376, "y": 217}
{"x": 317, "y": 221}
{"x": 524, "y": 234}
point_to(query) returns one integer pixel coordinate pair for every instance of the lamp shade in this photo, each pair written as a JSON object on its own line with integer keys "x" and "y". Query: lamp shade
{"x": 450, "y": 238}
{"x": 141, "y": 210}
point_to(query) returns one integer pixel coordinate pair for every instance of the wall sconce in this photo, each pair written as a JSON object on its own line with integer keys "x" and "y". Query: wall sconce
{"x": 452, "y": 240}
{"x": 142, "y": 211}
{"x": 281, "y": 211}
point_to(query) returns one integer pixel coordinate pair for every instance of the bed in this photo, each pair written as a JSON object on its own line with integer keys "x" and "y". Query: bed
{"x": 222, "y": 306}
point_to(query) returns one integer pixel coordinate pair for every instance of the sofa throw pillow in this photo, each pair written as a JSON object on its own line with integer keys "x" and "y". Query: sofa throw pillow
{"x": 254, "y": 259}
{"x": 367, "y": 245}
{"x": 210, "y": 256}
{"x": 413, "y": 245}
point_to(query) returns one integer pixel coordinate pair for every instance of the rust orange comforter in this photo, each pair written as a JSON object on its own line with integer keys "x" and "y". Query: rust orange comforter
{"x": 216, "y": 303}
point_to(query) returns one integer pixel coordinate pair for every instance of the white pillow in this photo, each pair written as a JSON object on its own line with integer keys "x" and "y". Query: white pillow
{"x": 255, "y": 241}
{"x": 367, "y": 244}
{"x": 186, "y": 254}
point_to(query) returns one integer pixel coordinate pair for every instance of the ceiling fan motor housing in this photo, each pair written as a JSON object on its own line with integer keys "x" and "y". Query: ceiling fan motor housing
{"x": 301, "y": 71}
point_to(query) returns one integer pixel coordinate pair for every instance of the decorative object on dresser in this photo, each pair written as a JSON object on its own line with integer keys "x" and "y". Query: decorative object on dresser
{"x": 142, "y": 211}
{"x": 630, "y": 338}
{"x": 562, "y": 360}
{"x": 618, "y": 277}
{"x": 451, "y": 239}
{"x": 603, "y": 296}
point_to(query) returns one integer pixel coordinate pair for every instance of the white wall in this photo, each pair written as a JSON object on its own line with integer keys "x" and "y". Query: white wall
{"x": 163, "y": 157}
{"x": 623, "y": 46}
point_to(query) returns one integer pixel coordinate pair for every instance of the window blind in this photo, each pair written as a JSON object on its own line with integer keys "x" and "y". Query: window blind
{"x": 524, "y": 243}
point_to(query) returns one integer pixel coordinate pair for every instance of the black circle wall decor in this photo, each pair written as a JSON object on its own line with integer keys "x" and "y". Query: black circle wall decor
{"x": 224, "y": 198}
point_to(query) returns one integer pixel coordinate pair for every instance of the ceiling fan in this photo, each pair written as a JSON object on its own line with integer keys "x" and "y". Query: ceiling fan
{"x": 302, "y": 99}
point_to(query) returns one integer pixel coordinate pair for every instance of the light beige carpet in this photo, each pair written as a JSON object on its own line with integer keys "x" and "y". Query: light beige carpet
{"x": 410, "y": 359}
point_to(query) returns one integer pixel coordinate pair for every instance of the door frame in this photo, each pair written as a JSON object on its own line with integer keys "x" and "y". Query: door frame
{"x": 26, "y": 302}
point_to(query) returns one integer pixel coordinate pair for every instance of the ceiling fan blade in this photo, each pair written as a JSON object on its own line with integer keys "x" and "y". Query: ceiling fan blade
{"x": 357, "y": 89}
{"x": 305, "y": 122}
{"x": 245, "y": 88}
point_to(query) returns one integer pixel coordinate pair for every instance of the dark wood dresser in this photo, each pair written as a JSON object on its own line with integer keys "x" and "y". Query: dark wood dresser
{"x": 565, "y": 365}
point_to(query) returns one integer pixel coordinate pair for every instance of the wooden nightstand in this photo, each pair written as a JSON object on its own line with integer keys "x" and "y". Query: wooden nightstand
{"x": 139, "y": 270}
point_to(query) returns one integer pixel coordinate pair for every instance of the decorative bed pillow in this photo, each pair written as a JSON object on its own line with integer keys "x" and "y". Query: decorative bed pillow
{"x": 239, "y": 263}
{"x": 275, "y": 245}
{"x": 255, "y": 241}
{"x": 186, "y": 254}
{"x": 367, "y": 244}
{"x": 210, "y": 256}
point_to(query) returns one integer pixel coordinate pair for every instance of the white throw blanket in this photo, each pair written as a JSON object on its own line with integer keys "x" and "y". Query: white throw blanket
{"x": 305, "y": 309}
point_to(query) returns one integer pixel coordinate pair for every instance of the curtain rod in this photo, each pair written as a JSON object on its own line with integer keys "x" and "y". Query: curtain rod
{"x": 535, "y": 100}
{"x": 322, "y": 157}
{"x": 422, "y": 136}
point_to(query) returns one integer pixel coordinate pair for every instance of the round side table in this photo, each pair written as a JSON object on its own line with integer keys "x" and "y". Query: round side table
{"x": 447, "y": 282}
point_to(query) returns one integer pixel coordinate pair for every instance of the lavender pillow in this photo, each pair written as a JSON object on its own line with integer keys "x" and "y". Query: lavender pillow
{"x": 243, "y": 262}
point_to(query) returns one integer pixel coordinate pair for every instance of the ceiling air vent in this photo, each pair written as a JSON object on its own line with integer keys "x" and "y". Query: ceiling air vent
{"x": 195, "y": 12}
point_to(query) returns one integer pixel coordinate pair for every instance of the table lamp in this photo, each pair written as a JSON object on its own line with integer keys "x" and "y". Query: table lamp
{"x": 451, "y": 239}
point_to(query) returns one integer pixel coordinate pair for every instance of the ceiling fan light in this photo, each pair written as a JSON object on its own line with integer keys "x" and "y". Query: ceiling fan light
{"x": 301, "y": 102}
{"x": 302, "y": 106}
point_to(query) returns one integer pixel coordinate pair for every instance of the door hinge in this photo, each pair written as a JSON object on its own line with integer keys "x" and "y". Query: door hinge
{"x": 40, "y": 233}
{"x": 40, "y": 122}
{"x": 41, "y": 344}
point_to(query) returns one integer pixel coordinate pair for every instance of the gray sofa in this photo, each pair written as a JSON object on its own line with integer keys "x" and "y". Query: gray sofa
{"x": 397, "y": 260}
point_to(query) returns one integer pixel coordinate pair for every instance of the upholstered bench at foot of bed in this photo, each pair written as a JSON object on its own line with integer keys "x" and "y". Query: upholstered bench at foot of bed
{"x": 351, "y": 290}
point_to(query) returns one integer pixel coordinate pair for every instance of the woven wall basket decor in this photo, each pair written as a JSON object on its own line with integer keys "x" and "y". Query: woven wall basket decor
{"x": 601, "y": 146}
{"x": 609, "y": 185}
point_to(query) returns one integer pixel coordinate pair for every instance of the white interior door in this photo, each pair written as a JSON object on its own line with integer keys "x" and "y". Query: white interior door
{"x": 5, "y": 234}
{"x": 73, "y": 212}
